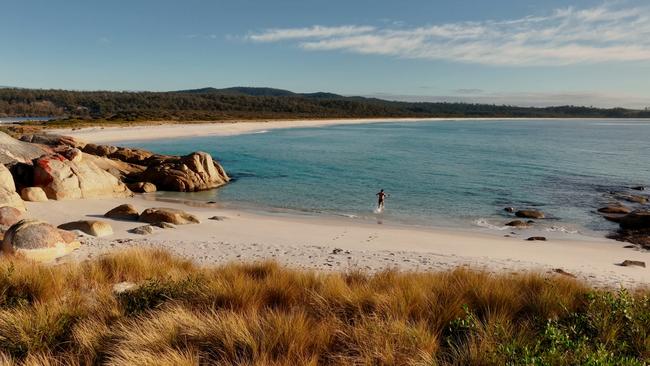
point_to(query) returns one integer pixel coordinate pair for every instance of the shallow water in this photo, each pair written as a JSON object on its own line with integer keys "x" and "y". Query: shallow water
{"x": 455, "y": 174}
{"x": 23, "y": 119}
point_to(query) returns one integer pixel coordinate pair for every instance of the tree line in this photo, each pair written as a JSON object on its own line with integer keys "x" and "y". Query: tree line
{"x": 252, "y": 103}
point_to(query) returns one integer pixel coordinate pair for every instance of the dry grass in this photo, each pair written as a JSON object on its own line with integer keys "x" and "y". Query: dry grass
{"x": 263, "y": 314}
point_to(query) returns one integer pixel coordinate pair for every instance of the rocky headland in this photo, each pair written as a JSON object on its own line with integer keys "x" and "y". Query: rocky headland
{"x": 42, "y": 167}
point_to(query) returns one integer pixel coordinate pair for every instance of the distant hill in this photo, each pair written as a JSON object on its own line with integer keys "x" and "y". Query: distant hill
{"x": 256, "y": 103}
{"x": 257, "y": 92}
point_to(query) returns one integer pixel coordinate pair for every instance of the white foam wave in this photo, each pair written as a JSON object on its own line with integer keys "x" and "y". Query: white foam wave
{"x": 262, "y": 131}
{"x": 484, "y": 223}
{"x": 561, "y": 229}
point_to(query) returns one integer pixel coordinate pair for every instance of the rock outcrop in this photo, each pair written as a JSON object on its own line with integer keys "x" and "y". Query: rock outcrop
{"x": 10, "y": 215}
{"x": 169, "y": 215}
{"x": 8, "y": 194}
{"x": 33, "y": 194}
{"x": 90, "y": 227}
{"x": 634, "y": 198}
{"x": 15, "y": 151}
{"x": 53, "y": 140}
{"x": 61, "y": 178}
{"x": 639, "y": 219}
{"x": 634, "y": 228}
{"x": 123, "y": 212}
{"x": 193, "y": 172}
{"x": 614, "y": 209}
{"x": 143, "y": 169}
{"x": 142, "y": 187}
{"x": 37, "y": 240}
{"x": 127, "y": 155}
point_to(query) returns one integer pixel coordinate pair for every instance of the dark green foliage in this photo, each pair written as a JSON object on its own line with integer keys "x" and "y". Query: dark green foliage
{"x": 156, "y": 292}
{"x": 253, "y": 103}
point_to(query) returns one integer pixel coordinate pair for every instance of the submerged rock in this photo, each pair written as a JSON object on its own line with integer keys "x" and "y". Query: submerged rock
{"x": 517, "y": 223}
{"x": 614, "y": 209}
{"x": 634, "y": 198}
{"x": 530, "y": 214}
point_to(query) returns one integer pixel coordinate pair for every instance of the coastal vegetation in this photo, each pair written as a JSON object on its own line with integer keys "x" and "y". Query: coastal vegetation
{"x": 69, "y": 108}
{"x": 144, "y": 307}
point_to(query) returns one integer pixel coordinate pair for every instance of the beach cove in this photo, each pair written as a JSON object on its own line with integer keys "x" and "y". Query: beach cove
{"x": 321, "y": 242}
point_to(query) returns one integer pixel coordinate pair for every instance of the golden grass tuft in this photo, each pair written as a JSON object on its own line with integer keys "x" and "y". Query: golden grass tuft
{"x": 264, "y": 314}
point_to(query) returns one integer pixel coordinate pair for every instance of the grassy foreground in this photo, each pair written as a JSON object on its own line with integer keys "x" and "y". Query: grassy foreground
{"x": 263, "y": 314}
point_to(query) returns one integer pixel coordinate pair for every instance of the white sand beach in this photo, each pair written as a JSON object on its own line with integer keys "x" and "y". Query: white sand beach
{"x": 158, "y": 131}
{"x": 314, "y": 243}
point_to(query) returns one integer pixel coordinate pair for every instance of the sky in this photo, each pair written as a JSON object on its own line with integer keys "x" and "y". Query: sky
{"x": 518, "y": 52}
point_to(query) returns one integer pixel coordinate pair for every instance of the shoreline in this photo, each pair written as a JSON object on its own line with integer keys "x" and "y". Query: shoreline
{"x": 311, "y": 242}
{"x": 330, "y": 244}
{"x": 164, "y": 131}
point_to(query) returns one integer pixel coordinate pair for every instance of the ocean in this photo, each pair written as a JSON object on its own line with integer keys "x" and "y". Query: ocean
{"x": 457, "y": 174}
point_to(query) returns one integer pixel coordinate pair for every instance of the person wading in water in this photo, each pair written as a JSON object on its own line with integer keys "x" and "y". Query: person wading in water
{"x": 381, "y": 197}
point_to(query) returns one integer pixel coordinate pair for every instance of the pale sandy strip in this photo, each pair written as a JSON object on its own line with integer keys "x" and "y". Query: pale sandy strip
{"x": 308, "y": 242}
{"x": 158, "y": 131}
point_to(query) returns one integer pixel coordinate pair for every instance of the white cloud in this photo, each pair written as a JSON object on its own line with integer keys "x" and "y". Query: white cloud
{"x": 566, "y": 36}
{"x": 317, "y": 31}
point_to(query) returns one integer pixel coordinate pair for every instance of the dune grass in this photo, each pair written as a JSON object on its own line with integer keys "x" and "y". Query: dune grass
{"x": 264, "y": 314}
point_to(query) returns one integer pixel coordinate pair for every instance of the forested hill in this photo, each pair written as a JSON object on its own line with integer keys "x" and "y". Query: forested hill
{"x": 254, "y": 103}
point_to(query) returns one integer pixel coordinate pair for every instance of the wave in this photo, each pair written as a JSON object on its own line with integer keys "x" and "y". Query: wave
{"x": 561, "y": 229}
{"x": 258, "y": 132}
{"x": 482, "y": 222}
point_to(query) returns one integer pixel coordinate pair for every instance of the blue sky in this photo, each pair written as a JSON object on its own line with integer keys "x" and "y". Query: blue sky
{"x": 499, "y": 51}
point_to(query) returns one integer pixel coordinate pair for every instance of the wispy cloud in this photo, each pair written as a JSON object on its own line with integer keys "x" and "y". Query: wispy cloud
{"x": 565, "y": 36}
{"x": 317, "y": 31}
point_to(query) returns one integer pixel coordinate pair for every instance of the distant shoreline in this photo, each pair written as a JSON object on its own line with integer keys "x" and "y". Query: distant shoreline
{"x": 162, "y": 130}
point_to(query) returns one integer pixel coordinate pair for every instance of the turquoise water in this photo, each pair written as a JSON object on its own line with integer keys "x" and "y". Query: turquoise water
{"x": 443, "y": 174}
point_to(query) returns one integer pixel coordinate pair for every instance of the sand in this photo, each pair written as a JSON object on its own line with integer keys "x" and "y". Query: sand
{"x": 333, "y": 244}
{"x": 341, "y": 244}
{"x": 168, "y": 131}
